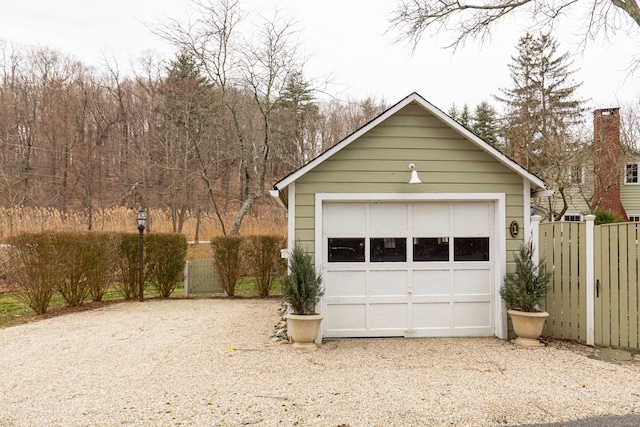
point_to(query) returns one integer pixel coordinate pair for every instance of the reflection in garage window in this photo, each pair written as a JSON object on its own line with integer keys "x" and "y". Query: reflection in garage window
{"x": 471, "y": 249}
{"x": 388, "y": 249}
{"x": 431, "y": 249}
{"x": 346, "y": 249}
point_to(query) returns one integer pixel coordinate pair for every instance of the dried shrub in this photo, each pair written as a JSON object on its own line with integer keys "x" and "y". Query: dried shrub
{"x": 228, "y": 261}
{"x": 72, "y": 249}
{"x": 35, "y": 268}
{"x": 165, "y": 255}
{"x": 128, "y": 283}
{"x": 101, "y": 262}
{"x": 262, "y": 257}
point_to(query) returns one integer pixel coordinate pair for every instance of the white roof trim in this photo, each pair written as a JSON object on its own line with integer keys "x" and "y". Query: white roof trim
{"x": 536, "y": 182}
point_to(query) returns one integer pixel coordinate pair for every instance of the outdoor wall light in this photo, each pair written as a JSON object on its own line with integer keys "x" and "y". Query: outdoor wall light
{"x": 415, "y": 179}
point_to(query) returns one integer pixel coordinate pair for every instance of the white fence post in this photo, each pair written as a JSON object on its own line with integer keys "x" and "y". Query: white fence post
{"x": 186, "y": 279}
{"x": 535, "y": 238}
{"x": 590, "y": 271}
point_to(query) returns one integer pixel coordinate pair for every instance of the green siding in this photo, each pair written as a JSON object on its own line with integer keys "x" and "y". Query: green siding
{"x": 378, "y": 163}
{"x": 630, "y": 198}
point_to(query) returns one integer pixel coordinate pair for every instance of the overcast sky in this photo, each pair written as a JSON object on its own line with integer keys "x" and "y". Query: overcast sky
{"x": 344, "y": 38}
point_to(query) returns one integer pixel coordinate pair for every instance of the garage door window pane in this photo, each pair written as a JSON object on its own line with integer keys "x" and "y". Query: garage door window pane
{"x": 389, "y": 249}
{"x": 346, "y": 249}
{"x": 471, "y": 248}
{"x": 431, "y": 249}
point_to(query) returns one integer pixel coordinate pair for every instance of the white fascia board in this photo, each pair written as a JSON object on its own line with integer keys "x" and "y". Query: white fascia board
{"x": 276, "y": 195}
{"x": 543, "y": 193}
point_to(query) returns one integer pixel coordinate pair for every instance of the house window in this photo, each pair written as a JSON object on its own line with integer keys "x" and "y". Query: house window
{"x": 471, "y": 249}
{"x": 346, "y": 249}
{"x": 572, "y": 217}
{"x": 388, "y": 249}
{"x": 631, "y": 173}
{"x": 576, "y": 175}
{"x": 634, "y": 218}
{"x": 431, "y": 249}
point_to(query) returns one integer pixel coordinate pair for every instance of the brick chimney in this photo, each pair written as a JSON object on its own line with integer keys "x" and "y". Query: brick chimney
{"x": 520, "y": 154}
{"x": 607, "y": 161}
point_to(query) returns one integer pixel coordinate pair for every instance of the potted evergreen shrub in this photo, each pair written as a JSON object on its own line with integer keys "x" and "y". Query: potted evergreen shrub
{"x": 302, "y": 290}
{"x": 522, "y": 292}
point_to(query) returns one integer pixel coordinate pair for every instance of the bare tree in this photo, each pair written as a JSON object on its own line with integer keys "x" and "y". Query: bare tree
{"x": 630, "y": 124}
{"x": 341, "y": 119}
{"x": 96, "y": 122}
{"x": 241, "y": 69}
{"x": 19, "y": 127}
{"x": 474, "y": 19}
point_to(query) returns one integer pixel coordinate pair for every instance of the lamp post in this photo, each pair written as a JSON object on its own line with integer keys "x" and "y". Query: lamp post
{"x": 141, "y": 219}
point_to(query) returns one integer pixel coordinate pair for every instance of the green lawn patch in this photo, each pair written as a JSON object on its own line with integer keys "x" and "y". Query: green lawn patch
{"x": 13, "y": 311}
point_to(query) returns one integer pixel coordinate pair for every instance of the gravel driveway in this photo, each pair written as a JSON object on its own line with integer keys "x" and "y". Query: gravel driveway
{"x": 213, "y": 363}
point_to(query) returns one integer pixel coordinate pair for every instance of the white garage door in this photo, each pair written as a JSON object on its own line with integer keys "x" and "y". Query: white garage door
{"x": 408, "y": 269}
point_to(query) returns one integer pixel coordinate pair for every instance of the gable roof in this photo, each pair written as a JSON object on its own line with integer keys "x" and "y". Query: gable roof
{"x": 536, "y": 183}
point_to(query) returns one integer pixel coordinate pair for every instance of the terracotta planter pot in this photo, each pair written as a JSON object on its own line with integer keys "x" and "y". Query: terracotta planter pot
{"x": 528, "y": 327}
{"x": 304, "y": 329}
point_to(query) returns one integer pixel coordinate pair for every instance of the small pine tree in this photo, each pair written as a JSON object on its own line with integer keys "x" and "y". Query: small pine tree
{"x": 302, "y": 286}
{"x": 525, "y": 289}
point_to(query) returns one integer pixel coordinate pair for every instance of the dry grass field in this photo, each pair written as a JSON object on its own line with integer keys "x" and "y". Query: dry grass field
{"x": 267, "y": 221}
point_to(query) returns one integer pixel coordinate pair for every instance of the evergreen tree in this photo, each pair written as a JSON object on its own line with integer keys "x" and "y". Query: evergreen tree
{"x": 542, "y": 108}
{"x": 484, "y": 122}
{"x": 184, "y": 119}
{"x": 186, "y": 92}
{"x": 298, "y": 113}
{"x": 465, "y": 117}
{"x": 297, "y": 93}
{"x": 453, "y": 112}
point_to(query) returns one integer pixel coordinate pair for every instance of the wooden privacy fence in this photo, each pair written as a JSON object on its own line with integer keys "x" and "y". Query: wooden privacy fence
{"x": 563, "y": 246}
{"x": 616, "y": 285}
{"x": 595, "y": 285}
{"x": 200, "y": 278}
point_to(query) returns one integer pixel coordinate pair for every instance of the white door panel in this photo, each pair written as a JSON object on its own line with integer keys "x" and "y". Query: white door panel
{"x": 431, "y": 282}
{"x": 345, "y": 283}
{"x": 432, "y": 219}
{"x": 344, "y": 218}
{"x": 387, "y": 218}
{"x": 387, "y": 283}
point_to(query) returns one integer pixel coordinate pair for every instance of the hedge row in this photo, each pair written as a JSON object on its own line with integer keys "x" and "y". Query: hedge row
{"x": 82, "y": 266}
{"x": 255, "y": 256}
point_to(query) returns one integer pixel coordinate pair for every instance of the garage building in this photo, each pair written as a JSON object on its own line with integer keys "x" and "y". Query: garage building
{"x": 413, "y": 221}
